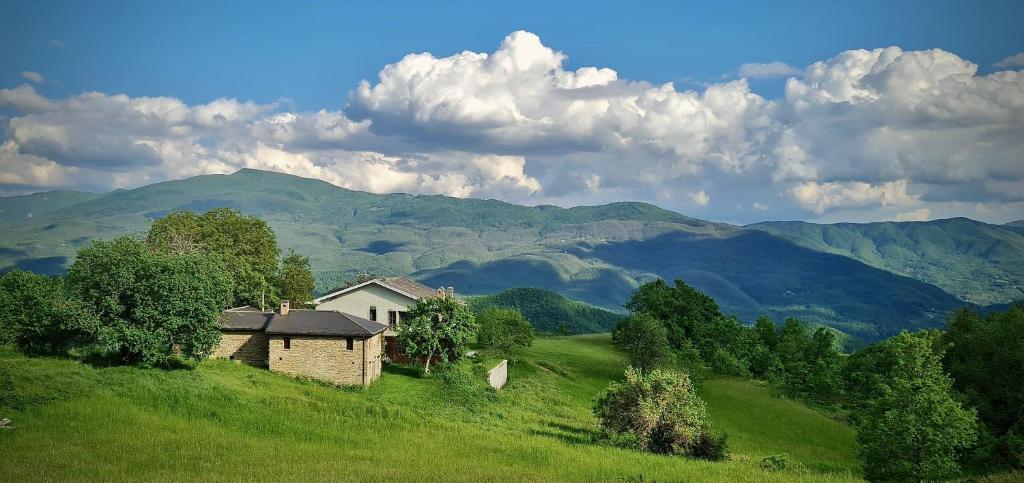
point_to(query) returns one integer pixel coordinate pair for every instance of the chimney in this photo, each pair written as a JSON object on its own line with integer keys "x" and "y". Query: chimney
{"x": 451, "y": 292}
{"x": 284, "y": 307}
{"x": 440, "y": 292}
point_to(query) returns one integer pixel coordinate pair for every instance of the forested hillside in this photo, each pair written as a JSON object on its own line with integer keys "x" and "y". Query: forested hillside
{"x": 549, "y": 312}
{"x": 596, "y": 254}
{"x": 977, "y": 262}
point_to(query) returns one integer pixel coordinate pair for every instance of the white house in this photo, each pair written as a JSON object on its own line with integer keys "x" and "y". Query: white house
{"x": 383, "y": 300}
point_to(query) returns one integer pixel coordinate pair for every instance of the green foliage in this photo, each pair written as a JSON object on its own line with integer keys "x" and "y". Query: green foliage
{"x": 437, "y": 327}
{"x": 245, "y": 244}
{"x": 644, "y": 340}
{"x": 681, "y": 308}
{"x": 39, "y": 315}
{"x": 151, "y": 306}
{"x": 810, "y": 362}
{"x": 549, "y": 312}
{"x": 776, "y": 462}
{"x": 658, "y": 412}
{"x": 297, "y": 282}
{"x": 915, "y": 429}
{"x": 977, "y": 262}
{"x": 505, "y": 331}
{"x": 986, "y": 361}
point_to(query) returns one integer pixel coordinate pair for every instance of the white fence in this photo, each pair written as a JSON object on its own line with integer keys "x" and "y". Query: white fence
{"x": 498, "y": 376}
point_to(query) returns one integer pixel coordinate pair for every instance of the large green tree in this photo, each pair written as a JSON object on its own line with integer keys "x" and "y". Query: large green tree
{"x": 297, "y": 281}
{"x": 40, "y": 316}
{"x": 915, "y": 428}
{"x": 986, "y": 360}
{"x": 152, "y": 306}
{"x": 644, "y": 340}
{"x": 245, "y": 244}
{"x": 681, "y": 308}
{"x": 437, "y": 327}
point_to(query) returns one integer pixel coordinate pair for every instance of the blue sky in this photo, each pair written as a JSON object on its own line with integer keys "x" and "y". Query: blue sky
{"x": 770, "y": 159}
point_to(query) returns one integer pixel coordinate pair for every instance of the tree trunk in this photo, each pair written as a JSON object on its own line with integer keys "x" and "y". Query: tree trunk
{"x": 426, "y": 364}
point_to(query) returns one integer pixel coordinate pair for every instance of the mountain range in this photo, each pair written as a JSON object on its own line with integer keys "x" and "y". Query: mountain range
{"x": 868, "y": 280}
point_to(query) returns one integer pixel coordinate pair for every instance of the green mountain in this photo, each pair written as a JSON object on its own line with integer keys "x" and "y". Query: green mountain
{"x": 547, "y": 310}
{"x": 595, "y": 254}
{"x": 975, "y": 261}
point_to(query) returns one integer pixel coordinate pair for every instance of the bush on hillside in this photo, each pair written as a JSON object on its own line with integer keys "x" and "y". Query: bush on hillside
{"x": 152, "y": 307}
{"x": 504, "y": 331}
{"x": 658, "y": 412}
{"x": 39, "y": 316}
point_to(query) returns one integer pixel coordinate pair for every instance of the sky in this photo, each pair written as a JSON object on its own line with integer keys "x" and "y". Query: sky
{"x": 738, "y": 112}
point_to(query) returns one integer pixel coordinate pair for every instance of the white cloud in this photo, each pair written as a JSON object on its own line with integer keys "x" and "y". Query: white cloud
{"x": 1015, "y": 60}
{"x": 767, "y": 70}
{"x": 701, "y": 198}
{"x": 31, "y": 76}
{"x": 820, "y": 197}
{"x": 921, "y": 214}
{"x": 881, "y": 129}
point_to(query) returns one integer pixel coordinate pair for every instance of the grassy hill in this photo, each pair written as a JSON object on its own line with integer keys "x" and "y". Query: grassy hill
{"x": 223, "y": 421}
{"x": 975, "y": 261}
{"x": 595, "y": 254}
{"x": 546, "y": 310}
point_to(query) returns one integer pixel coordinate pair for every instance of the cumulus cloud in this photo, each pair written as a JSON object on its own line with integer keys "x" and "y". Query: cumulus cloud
{"x": 31, "y": 76}
{"x": 867, "y": 129}
{"x": 1015, "y": 60}
{"x": 767, "y": 70}
{"x": 921, "y": 214}
{"x": 701, "y": 198}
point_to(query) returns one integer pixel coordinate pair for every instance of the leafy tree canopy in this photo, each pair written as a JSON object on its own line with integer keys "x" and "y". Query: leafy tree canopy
{"x": 39, "y": 315}
{"x": 915, "y": 429}
{"x": 297, "y": 282}
{"x": 503, "y": 330}
{"x": 437, "y": 327}
{"x": 644, "y": 340}
{"x": 151, "y": 306}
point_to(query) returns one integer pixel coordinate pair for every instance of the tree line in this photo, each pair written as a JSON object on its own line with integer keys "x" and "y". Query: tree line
{"x": 154, "y": 300}
{"x": 927, "y": 405}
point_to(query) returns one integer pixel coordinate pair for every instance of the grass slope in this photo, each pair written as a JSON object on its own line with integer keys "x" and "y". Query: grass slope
{"x": 977, "y": 262}
{"x": 546, "y": 310}
{"x": 227, "y": 422}
{"x": 595, "y": 254}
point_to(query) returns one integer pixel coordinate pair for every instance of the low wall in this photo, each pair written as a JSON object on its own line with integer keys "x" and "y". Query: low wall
{"x": 498, "y": 376}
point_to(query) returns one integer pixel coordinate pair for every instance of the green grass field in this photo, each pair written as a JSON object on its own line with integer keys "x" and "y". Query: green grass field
{"x": 223, "y": 421}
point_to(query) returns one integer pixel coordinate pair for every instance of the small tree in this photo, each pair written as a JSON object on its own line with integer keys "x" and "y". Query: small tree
{"x": 437, "y": 327}
{"x": 658, "y": 412}
{"x": 914, "y": 430}
{"x": 644, "y": 340}
{"x": 297, "y": 282}
{"x": 503, "y": 330}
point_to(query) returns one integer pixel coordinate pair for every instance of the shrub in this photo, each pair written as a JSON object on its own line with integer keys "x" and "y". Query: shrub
{"x": 503, "y": 330}
{"x": 644, "y": 340}
{"x": 776, "y": 462}
{"x": 658, "y": 412}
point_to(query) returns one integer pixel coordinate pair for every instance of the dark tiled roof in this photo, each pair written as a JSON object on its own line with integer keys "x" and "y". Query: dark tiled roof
{"x": 409, "y": 286}
{"x": 323, "y": 322}
{"x": 244, "y": 320}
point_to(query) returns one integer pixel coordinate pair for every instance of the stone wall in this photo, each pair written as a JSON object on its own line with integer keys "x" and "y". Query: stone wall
{"x": 246, "y": 346}
{"x": 326, "y": 358}
{"x": 498, "y": 376}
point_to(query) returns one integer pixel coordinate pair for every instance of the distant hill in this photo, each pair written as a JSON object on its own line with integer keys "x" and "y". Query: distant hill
{"x": 546, "y": 310}
{"x": 595, "y": 254}
{"x": 975, "y": 261}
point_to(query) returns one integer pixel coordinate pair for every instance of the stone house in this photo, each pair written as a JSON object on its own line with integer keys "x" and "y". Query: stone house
{"x": 383, "y": 300}
{"x": 325, "y": 345}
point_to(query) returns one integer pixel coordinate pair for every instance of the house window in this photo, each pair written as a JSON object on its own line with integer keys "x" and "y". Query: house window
{"x": 287, "y": 343}
{"x": 392, "y": 319}
{"x": 373, "y": 313}
{"x": 348, "y": 343}
{"x": 402, "y": 315}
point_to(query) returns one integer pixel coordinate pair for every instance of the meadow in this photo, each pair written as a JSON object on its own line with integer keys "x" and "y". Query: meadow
{"x": 221, "y": 421}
